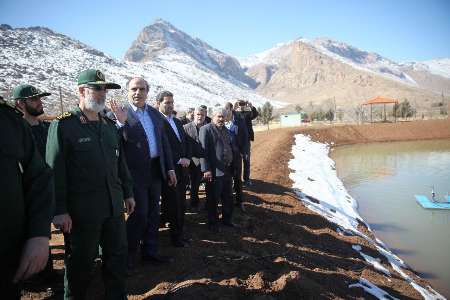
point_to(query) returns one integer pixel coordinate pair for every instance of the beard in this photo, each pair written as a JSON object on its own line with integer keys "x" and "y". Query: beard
{"x": 94, "y": 105}
{"x": 33, "y": 111}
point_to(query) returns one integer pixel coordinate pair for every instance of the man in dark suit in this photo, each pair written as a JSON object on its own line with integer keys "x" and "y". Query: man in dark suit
{"x": 149, "y": 159}
{"x": 239, "y": 132}
{"x": 207, "y": 119}
{"x": 173, "y": 198}
{"x": 217, "y": 168}
{"x": 195, "y": 173}
{"x": 189, "y": 117}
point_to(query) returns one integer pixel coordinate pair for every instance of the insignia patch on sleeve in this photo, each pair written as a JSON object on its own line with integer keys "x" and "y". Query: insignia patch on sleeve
{"x": 64, "y": 115}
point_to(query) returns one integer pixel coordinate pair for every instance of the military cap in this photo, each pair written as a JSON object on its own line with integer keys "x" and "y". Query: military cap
{"x": 95, "y": 77}
{"x": 25, "y": 91}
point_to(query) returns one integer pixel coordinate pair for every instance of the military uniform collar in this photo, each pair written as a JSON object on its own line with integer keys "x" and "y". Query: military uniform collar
{"x": 82, "y": 117}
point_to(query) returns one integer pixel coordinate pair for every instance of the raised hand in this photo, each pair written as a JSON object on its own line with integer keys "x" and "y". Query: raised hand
{"x": 120, "y": 111}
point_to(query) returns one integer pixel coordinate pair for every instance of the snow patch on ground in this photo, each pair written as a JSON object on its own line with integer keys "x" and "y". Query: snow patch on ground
{"x": 372, "y": 289}
{"x": 375, "y": 262}
{"x": 317, "y": 185}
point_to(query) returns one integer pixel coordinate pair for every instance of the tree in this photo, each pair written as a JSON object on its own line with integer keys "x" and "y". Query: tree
{"x": 329, "y": 115}
{"x": 298, "y": 108}
{"x": 404, "y": 109}
{"x": 266, "y": 114}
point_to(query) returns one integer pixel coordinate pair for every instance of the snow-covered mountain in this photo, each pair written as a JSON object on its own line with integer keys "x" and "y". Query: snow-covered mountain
{"x": 440, "y": 67}
{"x": 162, "y": 41}
{"x": 356, "y": 58}
{"x": 49, "y": 60}
{"x": 314, "y": 71}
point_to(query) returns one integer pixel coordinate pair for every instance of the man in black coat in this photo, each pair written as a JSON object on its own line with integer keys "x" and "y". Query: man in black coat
{"x": 239, "y": 132}
{"x": 149, "y": 159}
{"x": 27, "y": 200}
{"x": 207, "y": 118}
{"x": 173, "y": 198}
{"x": 247, "y": 112}
{"x": 217, "y": 168}
{"x": 189, "y": 117}
{"x": 195, "y": 174}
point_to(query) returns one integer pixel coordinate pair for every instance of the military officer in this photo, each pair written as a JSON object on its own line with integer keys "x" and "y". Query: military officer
{"x": 29, "y": 101}
{"x": 26, "y": 201}
{"x": 92, "y": 182}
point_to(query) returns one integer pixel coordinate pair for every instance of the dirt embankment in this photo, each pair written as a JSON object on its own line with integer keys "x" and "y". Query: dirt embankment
{"x": 381, "y": 132}
{"x": 280, "y": 249}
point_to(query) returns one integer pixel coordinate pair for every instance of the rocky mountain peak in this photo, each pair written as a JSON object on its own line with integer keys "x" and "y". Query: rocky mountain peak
{"x": 347, "y": 51}
{"x": 162, "y": 40}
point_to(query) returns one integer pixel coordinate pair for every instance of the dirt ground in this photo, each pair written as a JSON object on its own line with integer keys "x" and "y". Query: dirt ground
{"x": 280, "y": 249}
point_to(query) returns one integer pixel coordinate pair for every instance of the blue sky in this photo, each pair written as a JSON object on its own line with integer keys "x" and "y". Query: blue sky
{"x": 398, "y": 29}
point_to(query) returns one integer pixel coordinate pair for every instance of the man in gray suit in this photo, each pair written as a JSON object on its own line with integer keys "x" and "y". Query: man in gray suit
{"x": 149, "y": 159}
{"x": 195, "y": 174}
{"x": 217, "y": 168}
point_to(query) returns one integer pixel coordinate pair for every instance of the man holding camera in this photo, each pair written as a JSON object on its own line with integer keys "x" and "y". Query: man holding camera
{"x": 247, "y": 112}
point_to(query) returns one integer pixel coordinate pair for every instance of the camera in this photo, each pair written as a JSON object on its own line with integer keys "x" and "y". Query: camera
{"x": 243, "y": 106}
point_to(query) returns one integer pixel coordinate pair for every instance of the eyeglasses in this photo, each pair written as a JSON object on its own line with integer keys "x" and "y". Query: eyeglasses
{"x": 96, "y": 88}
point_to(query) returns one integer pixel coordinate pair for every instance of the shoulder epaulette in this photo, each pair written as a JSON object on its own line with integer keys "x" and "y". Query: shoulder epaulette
{"x": 64, "y": 115}
{"x": 10, "y": 108}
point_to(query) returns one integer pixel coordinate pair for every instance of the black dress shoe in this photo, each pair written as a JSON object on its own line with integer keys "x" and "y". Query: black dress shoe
{"x": 228, "y": 224}
{"x": 178, "y": 243}
{"x": 241, "y": 207}
{"x": 214, "y": 228}
{"x": 157, "y": 259}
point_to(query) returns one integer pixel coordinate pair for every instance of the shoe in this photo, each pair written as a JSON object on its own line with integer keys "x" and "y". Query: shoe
{"x": 179, "y": 243}
{"x": 157, "y": 259}
{"x": 241, "y": 207}
{"x": 131, "y": 265}
{"x": 214, "y": 228}
{"x": 131, "y": 270}
{"x": 229, "y": 224}
{"x": 247, "y": 183}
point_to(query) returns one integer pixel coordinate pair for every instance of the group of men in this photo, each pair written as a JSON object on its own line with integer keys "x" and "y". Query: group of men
{"x": 91, "y": 165}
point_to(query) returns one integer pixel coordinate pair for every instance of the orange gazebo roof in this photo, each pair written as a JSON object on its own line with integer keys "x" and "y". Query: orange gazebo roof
{"x": 380, "y": 100}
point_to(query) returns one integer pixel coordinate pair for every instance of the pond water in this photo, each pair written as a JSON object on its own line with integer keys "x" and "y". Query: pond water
{"x": 383, "y": 178}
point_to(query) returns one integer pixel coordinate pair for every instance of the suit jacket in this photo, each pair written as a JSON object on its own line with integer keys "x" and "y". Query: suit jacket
{"x": 181, "y": 148}
{"x": 248, "y": 116}
{"x": 243, "y": 137}
{"x": 213, "y": 149}
{"x": 137, "y": 151}
{"x": 193, "y": 139}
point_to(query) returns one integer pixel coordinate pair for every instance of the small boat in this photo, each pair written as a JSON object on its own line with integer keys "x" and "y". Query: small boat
{"x": 433, "y": 204}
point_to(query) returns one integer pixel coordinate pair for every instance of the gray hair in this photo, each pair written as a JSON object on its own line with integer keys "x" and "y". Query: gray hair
{"x": 220, "y": 110}
{"x": 200, "y": 108}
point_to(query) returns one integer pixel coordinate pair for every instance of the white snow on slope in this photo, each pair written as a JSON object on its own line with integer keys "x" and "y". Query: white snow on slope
{"x": 317, "y": 185}
{"x": 375, "y": 262}
{"x": 439, "y": 67}
{"x": 372, "y": 289}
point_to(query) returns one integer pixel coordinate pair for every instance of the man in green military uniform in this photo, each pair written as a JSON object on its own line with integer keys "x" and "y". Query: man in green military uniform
{"x": 29, "y": 101}
{"x": 92, "y": 182}
{"x": 26, "y": 202}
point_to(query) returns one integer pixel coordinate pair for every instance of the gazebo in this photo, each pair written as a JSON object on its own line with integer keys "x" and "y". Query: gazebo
{"x": 384, "y": 101}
